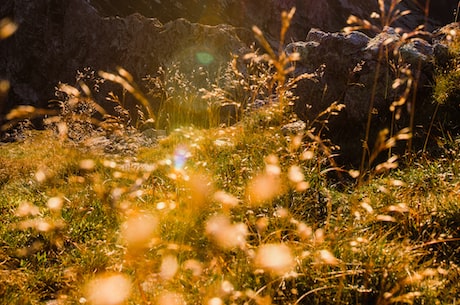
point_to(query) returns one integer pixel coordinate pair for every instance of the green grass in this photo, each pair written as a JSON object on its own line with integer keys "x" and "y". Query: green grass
{"x": 448, "y": 75}
{"x": 394, "y": 239}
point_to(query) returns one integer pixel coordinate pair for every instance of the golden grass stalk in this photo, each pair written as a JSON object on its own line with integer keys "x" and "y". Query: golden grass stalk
{"x": 125, "y": 79}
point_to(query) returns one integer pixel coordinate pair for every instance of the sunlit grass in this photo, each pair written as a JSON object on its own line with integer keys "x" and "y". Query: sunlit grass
{"x": 179, "y": 223}
{"x": 241, "y": 214}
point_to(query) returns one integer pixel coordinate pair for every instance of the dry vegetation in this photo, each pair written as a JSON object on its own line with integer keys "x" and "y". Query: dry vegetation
{"x": 245, "y": 214}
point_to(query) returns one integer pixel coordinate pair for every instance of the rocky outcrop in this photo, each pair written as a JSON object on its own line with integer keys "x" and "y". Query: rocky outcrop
{"x": 356, "y": 70}
{"x": 329, "y": 15}
{"x": 55, "y": 39}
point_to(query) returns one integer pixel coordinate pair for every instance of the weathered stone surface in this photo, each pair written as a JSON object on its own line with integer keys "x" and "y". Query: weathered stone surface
{"x": 355, "y": 70}
{"x": 55, "y": 39}
{"x": 329, "y": 15}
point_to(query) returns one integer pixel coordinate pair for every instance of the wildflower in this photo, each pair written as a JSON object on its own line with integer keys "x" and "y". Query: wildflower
{"x": 194, "y": 266}
{"x": 263, "y": 188}
{"x": 54, "y": 203}
{"x": 295, "y": 174}
{"x": 7, "y": 28}
{"x": 326, "y": 257}
{"x": 228, "y": 201}
{"x": 215, "y": 301}
{"x": 87, "y": 164}
{"x": 26, "y": 209}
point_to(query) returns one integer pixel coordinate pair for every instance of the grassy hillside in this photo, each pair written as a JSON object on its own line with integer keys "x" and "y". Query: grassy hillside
{"x": 233, "y": 215}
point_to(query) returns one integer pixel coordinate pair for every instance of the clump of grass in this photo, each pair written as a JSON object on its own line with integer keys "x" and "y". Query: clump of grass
{"x": 179, "y": 98}
{"x": 222, "y": 215}
{"x": 446, "y": 81}
{"x": 243, "y": 86}
{"x": 404, "y": 87}
{"x": 78, "y": 118}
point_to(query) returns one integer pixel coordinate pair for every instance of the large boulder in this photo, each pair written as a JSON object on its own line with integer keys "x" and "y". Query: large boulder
{"x": 55, "y": 39}
{"x": 356, "y": 70}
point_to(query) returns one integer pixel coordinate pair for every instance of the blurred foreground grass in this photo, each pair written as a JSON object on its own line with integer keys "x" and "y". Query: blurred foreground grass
{"x": 236, "y": 215}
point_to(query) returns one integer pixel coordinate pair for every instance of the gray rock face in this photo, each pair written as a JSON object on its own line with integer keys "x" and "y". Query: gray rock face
{"x": 329, "y": 15}
{"x": 355, "y": 70}
{"x": 55, "y": 39}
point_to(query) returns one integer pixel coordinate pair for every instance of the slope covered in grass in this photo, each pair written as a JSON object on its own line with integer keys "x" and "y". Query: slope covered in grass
{"x": 223, "y": 216}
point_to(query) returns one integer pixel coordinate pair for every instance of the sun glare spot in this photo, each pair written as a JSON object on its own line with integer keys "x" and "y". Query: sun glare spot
{"x": 181, "y": 154}
{"x": 204, "y": 58}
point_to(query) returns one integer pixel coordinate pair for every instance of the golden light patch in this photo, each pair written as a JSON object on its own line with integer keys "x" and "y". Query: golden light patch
{"x": 7, "y": 28}
{"x": 138, "y": 230}
{"x": 225, "y": 234}
{"x": 108, "y": 289}
{"x": 275, "y": 258}
{"x": 263, "y": 188}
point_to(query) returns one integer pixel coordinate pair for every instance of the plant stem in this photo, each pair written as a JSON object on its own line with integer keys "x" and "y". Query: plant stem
{"x": 369, "y": 119}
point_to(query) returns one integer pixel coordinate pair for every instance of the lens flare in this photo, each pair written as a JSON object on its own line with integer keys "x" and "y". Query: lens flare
{"x": 181, "y": 154}
{"x": 204, "y": 58}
